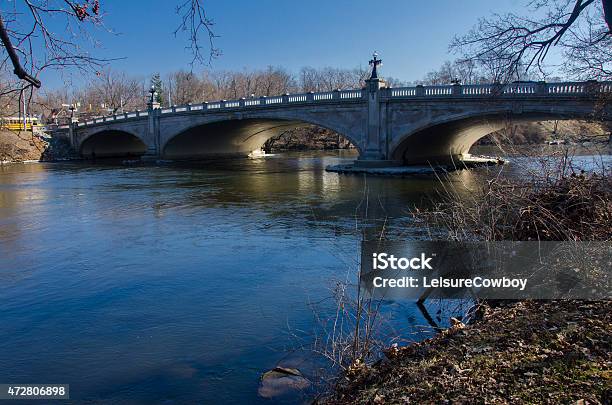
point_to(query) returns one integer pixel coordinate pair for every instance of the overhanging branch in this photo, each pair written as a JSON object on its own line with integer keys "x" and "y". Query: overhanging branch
{"x": 17, "y": 68}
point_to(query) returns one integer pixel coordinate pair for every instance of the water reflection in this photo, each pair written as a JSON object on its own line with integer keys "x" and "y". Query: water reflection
{"x": 178, "y": 282}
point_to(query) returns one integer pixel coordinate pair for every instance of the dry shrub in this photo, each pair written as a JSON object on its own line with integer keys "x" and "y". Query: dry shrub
{"x": 349, "y": 338}
{"x": 560, "y": 204}
{"x": 578, "y": 207}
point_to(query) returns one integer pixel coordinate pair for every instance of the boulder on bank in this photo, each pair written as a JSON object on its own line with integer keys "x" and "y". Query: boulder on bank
{"x": 281, "y": 381}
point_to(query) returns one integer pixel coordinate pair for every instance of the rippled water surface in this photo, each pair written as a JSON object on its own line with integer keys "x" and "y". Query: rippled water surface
{"x": 176, "y": 283}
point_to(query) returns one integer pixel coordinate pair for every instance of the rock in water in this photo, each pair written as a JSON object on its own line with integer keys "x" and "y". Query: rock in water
{"x": 281, "y": 381}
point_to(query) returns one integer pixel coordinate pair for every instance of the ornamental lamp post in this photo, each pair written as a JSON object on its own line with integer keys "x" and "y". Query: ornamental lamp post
{"x": 153, "y": 104}
{"x": 375, "y": 62}
{"x": 72, "y": 109}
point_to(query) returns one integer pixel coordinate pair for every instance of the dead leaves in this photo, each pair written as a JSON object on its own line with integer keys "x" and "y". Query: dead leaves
{"x": 529, "y": 352}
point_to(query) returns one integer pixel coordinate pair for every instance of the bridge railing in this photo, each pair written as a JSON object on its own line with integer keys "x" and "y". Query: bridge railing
{"x": 343, "y": 95}
{"x": 415, "y": 92}
{"x": 513, "y": 89}
{"x": 114, "y": 117}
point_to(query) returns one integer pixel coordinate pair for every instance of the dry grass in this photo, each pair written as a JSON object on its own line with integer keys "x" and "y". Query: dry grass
{"x": 530, "y": 352}
{"x": 554, "y": 203}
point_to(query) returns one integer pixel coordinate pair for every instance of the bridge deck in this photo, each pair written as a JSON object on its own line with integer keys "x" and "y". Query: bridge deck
{"x": 523, "y": 89}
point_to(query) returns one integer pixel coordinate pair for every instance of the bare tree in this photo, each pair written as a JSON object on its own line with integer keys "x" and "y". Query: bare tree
{"x": 444, "y": 75}
{"x": 274, "y": 80}
{"x": 53, "y": 105}
{"x": 43, "y": 34}
{"x": 329, "y": 79}
{"x": 518, "y": 44}
{"x": 462, "y": 71}
{"x": 186, "y": 87}
{"x": 9, "y": 94}
{"x": 195, "y": 23}
{"x": 32, "y": 34}
{"x": 113, "y": 91}
{"x": 109, "y": 93}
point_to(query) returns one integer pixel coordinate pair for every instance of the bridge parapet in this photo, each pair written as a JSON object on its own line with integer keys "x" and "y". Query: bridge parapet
{"x": 519, "y": 89}
{"x": 264, "y": 101}
{"x": 497, "y": 89}
{"x": 287, "y": 99}
{"x": 115, "y": 117}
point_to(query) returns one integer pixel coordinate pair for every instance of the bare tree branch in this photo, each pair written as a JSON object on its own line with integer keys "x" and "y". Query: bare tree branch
{"x": 36, "y": 41}
{"x": 195, "y": 23}
{"x": 518, "y": 44}
{"x": 17, "y": 68}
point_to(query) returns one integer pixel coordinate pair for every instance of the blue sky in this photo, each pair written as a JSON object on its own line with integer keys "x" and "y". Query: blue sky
{"x": 411, "y": 36}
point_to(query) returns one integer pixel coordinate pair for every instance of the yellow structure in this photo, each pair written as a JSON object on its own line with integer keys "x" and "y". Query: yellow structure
{"x": 17, "y": 123}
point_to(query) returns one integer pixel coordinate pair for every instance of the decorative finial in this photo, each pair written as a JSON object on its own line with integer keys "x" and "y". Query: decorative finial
{"x": 375, "y": 62}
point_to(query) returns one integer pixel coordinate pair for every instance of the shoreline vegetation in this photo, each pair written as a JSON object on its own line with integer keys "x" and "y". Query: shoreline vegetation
{"x": 513, "y": 352}
{"x": 523, "y": 352}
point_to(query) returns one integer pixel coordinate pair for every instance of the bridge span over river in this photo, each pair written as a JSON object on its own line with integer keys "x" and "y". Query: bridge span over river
{"x": 408, "y": 125}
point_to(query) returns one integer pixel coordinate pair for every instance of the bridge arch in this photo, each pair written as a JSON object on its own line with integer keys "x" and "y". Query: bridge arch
{"x": 238, "y": 137}
{"x": 448, "y": 138}
{"x": 112, "y": 143}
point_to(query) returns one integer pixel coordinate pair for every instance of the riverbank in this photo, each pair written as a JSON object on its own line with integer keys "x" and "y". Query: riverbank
{"x": 307, "y": 138}
{"x": 526, "y": 352}
{"x": 23, "y": 146}
{"x": 20, "y": 146}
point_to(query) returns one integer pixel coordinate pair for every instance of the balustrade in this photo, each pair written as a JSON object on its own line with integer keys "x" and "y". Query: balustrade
{"x": 454, "y": 91}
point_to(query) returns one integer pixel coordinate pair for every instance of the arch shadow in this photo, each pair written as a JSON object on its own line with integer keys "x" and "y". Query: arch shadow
{"x": 112, "y": 143}
{"x": 448, "y": 140}
{"x": 232, "y": 137}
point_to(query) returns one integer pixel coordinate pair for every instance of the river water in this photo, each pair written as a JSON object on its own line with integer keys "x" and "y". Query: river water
{"x": 184, "y": 283}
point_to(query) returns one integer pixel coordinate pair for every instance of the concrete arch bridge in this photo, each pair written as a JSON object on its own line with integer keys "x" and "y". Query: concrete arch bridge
{"x": 410, "y": 125}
